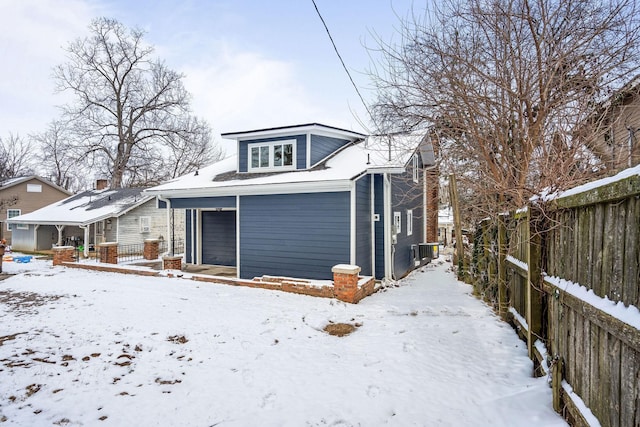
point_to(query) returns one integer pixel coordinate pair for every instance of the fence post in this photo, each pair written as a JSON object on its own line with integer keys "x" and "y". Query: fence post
{"x": 462, "y": 261}
{"x": 503, "y": 301}
{"x": 534, "y": 276}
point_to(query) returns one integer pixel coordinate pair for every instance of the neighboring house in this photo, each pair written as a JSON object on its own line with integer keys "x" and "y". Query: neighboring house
{"x": 617, "y": 128}
{"x": 22, "y": 195}
{"x": 124, "y": 215}
{"x": 295, "y": 201}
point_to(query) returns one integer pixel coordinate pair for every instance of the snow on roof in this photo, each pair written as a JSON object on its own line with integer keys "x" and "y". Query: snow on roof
{"x": 86, "y": 207}
{"x": 545, "y": 196}
{"x": 345, "y": 165}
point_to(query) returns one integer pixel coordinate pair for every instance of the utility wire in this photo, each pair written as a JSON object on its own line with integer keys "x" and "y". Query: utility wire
{"x": 342, "y": 62}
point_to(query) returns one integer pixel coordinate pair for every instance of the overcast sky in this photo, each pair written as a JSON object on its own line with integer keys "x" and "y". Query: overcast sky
{"x": 249, "y": 64}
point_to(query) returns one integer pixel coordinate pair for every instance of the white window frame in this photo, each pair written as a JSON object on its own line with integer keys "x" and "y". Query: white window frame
{"x": 145, "y": 224}
{"x": 409, "y": 222}
{"x": 271, "y": 147}
{"x": 34, "y": 188}
{"x": 9, "y": 216}
{"x": 397, "y": 222}
{"x": 22, "y": 226}
{"x": 414, "y": 161}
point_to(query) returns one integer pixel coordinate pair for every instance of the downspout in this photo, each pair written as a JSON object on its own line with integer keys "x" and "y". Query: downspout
{"x": 169, "y": 229}
{"x": 372, "y": 212}
{"x": 86, "y": 240}
{"x": 352, "y": 224}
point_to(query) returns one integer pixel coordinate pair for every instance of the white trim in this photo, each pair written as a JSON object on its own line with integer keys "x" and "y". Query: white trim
{"x": 308, "y": 151}
{"x": 238, "y": 237}
{"x": 387, "y": 169}
{"x": 199, "y": 236}
{"x": 425, "y": 213}
{"x": 372, "y": 210}
{"x": 260, "y": 189}
{"x": 409, "y": 222}
{"x": 271, "y": 145}
{"x": 316, "y": 129}
{"x": 387, "y": 226}
{"x": 192, "y": 213}
{"x": 353, "y": 234}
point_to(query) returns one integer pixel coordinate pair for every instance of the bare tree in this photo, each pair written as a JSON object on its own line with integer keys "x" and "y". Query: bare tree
{"x": 503, "y": 85}
{"x": 59, "y": 157}
{"x": 128, "y": 105}
{"x": 15, "y": 157}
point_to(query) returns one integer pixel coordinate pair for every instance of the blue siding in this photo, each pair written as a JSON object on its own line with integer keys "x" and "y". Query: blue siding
{"x": 219, "y": 238}
{"x": 322, "y": 146}
{"x": 299, "y": 235}
{"x": 363, "y": 224}
{"x": 406, "y": 195}
{"x": 204, "y": 202}
{"x": 378, "y": 189}
{"x": 301, "y": 151}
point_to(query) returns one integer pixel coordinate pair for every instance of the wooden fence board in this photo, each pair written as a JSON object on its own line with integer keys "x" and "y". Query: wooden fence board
{"x": 598, "y": 245}
{"x": 628, "y": 386}
{"x": 595, "y": 394}
{"x": 590, "y": 212}
{"x": 608, "y": 249}
{"x": 631, "y": 261}
{"x": 614, "y": 385}
{"x": 617, "y": 271}
{"x": 604, "y": 381}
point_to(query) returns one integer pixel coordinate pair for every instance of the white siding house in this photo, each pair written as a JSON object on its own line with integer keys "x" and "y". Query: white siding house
{"x": 97, "y": 216}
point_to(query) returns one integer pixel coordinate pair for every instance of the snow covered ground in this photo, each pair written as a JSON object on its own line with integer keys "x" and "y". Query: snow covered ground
{"x": 88, "y": 348}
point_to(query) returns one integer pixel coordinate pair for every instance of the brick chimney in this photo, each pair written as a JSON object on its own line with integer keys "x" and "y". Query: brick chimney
{"x": 101, "y": 184}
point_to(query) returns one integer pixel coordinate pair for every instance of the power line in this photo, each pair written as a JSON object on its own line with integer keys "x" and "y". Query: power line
{"x": 335, "y": 48}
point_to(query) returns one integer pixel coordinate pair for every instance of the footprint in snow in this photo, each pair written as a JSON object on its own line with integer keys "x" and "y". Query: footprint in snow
{"x": 268, "y": 401}
{"x": 373, "y": 391}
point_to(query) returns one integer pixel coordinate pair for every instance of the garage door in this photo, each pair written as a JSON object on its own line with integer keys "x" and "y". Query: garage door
{"x": 219, "y": 238}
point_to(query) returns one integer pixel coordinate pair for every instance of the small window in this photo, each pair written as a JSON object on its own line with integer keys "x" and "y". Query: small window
{"x": 22, "y": 226}
{"x": 409, "y": 222}
{"x": 145, "y": 224}
{"x": 12, "y": 213}
{"x": 416, "y": 171}
{"x": 275, "y": 155}
{"x": 397, "y": 222}
{"x": 34, "y": 188}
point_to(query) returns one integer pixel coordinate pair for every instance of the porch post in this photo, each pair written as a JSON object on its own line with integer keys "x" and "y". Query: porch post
{"x": 59, "y": 228}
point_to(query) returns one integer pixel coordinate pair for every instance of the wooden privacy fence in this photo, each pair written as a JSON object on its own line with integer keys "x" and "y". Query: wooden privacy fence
{"x": 569, "y": 281}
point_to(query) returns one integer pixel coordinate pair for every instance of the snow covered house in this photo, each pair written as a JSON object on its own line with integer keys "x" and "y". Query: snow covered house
{"x": 295, "y": 201}
{"x": 22, "y": 195}
{"x": 125, "y": 216}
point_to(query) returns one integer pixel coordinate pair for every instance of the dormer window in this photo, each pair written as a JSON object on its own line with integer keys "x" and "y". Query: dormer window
{"x": 276, "y": 155}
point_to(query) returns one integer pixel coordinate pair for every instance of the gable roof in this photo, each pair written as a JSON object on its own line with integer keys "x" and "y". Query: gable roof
{"x": 12, "y": 182}
{"x": 86, "y": 207}
{"x": 336, "y": 173}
